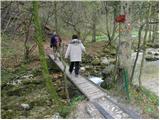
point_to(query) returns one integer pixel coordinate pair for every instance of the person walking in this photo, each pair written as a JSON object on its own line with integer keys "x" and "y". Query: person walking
{"x": 55, "y": 43}
{"x": 74, "y": 51}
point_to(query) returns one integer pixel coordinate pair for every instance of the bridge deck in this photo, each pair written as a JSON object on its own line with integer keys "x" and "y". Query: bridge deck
{"x": 90, "y": 90}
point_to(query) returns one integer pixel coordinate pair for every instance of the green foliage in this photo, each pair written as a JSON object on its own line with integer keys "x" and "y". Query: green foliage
{"x": 147, "y": 100}
{"x": 101, "y": 37}
{"x": 65, "y": 110}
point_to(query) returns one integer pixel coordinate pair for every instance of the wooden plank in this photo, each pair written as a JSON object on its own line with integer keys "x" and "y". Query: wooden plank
{"x": 87, "y": 88}
{"x": 96, "y": 96}
{"x": 83, "y": 84}
{"x": 80, "y": 82}
{"x": 86, "y": 85}
{"x": 91, "y": 91}
{"x": 93, "y": 88}
{"x": 88, "y": 91}
{"x": 96, "y": 93}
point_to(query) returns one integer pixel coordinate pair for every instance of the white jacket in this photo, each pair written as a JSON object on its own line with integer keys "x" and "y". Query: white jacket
{"x": 74, "y": 50}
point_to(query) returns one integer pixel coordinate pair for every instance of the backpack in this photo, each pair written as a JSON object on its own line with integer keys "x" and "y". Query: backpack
{"x": 53, "y": 40}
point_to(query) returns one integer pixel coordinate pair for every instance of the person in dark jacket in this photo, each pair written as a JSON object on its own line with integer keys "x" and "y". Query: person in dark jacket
{"x": 55, "y": 43}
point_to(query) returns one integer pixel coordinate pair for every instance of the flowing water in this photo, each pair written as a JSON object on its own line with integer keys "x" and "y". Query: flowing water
{"x": 150, "y": 75}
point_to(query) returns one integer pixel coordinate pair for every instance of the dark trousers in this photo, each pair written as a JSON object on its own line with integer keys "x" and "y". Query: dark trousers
{"x": 75, "y": 64}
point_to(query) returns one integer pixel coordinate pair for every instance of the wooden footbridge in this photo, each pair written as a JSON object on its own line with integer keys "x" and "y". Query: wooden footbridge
{"x": 98, "y": 99}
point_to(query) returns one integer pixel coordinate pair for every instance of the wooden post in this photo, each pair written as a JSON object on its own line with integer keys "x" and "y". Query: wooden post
{"x": 64, "y": 74}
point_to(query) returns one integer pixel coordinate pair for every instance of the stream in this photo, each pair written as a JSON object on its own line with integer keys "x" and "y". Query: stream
{"x": 150, "y": 73}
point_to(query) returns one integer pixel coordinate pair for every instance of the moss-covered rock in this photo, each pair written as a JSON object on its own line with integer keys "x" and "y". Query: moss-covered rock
{"x": 151, "y": 58}
{"x": 96, "y": 61}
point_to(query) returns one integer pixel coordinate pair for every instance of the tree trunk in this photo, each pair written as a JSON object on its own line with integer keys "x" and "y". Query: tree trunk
{"x": 117, "y": 55}
{"x": 106, "y": 16}
{"x": 150, "y": 30}
{"x": 26, "y": 52}
{"x": 144, "y": 42}
{"x": 126, "y": 41}
{"x": 135, "y": 62}
{"x": 94, "y": 27}
{"x": 39, "y": 40}
{"x": 110, "y": 34}
{"x": 55, "y": 16}
{"x": 154, "y": 33}
{"x": 144, "y": 51}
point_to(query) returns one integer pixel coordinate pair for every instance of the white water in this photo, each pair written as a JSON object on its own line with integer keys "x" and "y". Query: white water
{"x": 96, "y": 80}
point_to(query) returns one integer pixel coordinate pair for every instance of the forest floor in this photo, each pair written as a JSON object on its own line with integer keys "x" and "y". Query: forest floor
{"x": 23, "y": 90}
{"x": 22, "y": 83}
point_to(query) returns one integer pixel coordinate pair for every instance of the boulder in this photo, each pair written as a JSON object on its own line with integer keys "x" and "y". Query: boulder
{"x": 104, "y": 60}
{"x": 27, "y": 76}
{"x": 112, "y": 60}
{"x": 96, "y": 61}
{"x": 152, "y": 51}
{"x": 62, "y": 94}
{"x": 87, "y": 67}
{"x": 58, "y": 82}
{"x": 155, "y": 45}
{"x": 156, "y": 54}
{"x": 56, "y": 116}
{"x": 156, "y": 57}
{"x": 102, "y": 54}
{"x": 149, "y": 52}
{"x": 150, "y": 58}
{"x": 25, "y": 106}
{"x": 108, "y": 83}
{"x": 108, "y": 70}
{"x": 106, "y": 50}
{"x": 82, "y": 69}
{"x": 113, "y": 52}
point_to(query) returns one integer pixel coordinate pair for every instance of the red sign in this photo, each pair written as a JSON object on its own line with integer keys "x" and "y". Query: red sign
{"x": 120, "y": 19}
